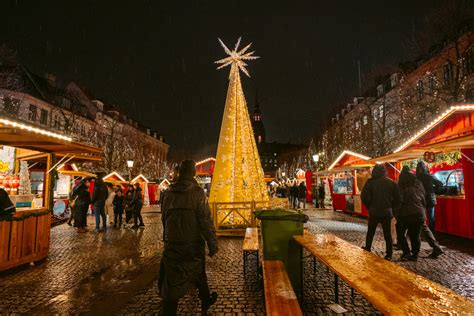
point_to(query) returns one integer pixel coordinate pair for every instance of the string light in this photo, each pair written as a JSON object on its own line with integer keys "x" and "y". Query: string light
{"x": 347, "y": 152}
{"x": 205, "y": 160}
{"x": 238, "y": 174}
{"x": 434, "y": 122}
{"x": 34, "y": 129}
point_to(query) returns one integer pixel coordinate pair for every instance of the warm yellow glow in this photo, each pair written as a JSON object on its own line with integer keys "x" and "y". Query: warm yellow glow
{"x": 205, "y": 160}
{"x": 138, "y": 177}
{"x": 112, "y": 174}
{"x": 349, "y": 153}
{"x": 34, "y": 129}
{"x": 238, "y": 174}
{"x": 434, "y": 122}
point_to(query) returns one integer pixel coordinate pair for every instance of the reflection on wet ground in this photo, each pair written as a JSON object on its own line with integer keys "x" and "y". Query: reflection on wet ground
{"x": 114, "y": 273}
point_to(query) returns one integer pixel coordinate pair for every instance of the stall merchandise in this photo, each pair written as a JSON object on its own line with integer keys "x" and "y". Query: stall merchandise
{"x": 447, "y": 146}
{"x": 24, "y": 235}
{"x": 347, "y": 176}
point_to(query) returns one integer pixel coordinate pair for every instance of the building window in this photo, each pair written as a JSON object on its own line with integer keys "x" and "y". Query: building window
{"x": 431, "y": 84}
{"x": 365, "y": 120}
{"x": 33, "y": 113}
{"x": 259, "y": 139}
{"x": 419, "y": 90}
{"x": 375, "y": 113}
{"x": 357, "y": 125}
{"x": 44, "y": 117}
{"x": 380, "y": 90}
{"x": 448, "y": 73}
{"x": 468, "y": 63}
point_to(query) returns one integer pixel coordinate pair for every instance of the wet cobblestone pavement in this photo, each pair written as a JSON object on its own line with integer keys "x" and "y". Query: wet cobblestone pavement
{"x": 115, "y": 273}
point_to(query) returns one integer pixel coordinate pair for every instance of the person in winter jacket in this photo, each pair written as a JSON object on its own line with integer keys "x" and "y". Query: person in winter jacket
{"x": 81, "y": 205}
{"x": 321, "y": 194}
{"x": 411, "y": 214}
{"x": 187, "y": 228}
{"x": 137, "y": 202}
{"x": 430, "y": 183}
{"x": 302, "y": 194}
{"x": 99, "y": 195}
{"x": 118, "y": 208}
{"x": 109, "y": 207}
{"x": 294, "y": 191}
{"x": 6, "y": 205}
{"x": 128, "y": 203}
{"x": 380, "y": 196}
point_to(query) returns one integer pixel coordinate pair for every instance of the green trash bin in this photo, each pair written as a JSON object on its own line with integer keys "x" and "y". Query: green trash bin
{"x": 278, "y": 226}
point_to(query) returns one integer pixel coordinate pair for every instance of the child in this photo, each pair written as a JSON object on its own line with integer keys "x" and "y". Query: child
{"x": 118, "y": 208}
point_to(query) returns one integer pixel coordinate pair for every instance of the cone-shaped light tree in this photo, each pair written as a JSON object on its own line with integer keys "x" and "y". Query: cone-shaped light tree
{"x": 238, "y": 174}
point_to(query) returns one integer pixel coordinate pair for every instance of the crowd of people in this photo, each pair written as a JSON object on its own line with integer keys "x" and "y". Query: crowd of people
{"x": 294, "y": 192}
{"x": 108, "y": 203}
{"x": 408, "y": 201}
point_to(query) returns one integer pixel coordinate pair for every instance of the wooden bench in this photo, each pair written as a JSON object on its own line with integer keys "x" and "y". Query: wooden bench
{"x": 250, "y": 246}
{"x": 280, "y": 299}
{"x": 391, "y": 288}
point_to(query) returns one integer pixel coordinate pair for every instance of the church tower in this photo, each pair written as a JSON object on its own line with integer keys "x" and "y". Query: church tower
{"x": 257, "y": 124}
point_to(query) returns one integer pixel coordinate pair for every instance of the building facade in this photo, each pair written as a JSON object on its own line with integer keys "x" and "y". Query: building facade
{"x": 403, "y": 102}
{"x": 69, "y": 109}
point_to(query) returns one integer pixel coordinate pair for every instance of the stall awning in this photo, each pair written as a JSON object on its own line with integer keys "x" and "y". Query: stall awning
{"x": 20, "y": 135}
{"x": 402, "y": 155}
{"x": 73, "y": 173}
{"x": 349, "y": 160}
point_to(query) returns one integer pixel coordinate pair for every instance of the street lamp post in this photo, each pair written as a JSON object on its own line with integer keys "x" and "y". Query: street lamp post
{"x": 130, "y": 166}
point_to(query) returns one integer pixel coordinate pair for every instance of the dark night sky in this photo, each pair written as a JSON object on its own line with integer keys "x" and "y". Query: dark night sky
{"x": 157, "y": 59}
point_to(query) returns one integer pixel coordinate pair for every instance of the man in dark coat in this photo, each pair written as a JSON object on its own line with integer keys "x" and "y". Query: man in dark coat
{"x": 99, "y": 195}
{"x": 321, "y": 194}
{"x": 380, "y": 196}
{"x": 294, "y": 195}
{"x": 137, "y": 202}
{"x": 430, "y": 183}
{"x": 411, "y": 214}
{"x": 187, "y": 228}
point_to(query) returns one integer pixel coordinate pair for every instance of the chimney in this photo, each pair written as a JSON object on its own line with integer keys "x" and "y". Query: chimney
{"x": 51, "y": 78}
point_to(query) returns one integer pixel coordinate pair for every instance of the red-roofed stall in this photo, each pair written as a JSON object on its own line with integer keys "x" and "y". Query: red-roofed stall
{"x": 447, "y": 145}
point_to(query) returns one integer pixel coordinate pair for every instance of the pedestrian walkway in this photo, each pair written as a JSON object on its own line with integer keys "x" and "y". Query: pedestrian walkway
{"x": 115, "y": 273}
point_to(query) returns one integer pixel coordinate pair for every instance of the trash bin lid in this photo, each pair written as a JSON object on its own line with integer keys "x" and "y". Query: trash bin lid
{"x": 281, "y": 215}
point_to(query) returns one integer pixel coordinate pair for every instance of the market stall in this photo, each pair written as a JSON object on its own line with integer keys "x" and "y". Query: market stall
{"x": 24, "y": 235}
{"x": 148, "y": 189}
{"x": 349, "y": 173}
{"x": 447, "y": 146}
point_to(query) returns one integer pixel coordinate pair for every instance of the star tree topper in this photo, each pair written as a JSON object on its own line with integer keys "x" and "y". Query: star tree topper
{"x": 236, "y": 57}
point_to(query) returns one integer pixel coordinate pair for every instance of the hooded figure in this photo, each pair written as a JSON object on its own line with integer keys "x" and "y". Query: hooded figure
{"x": 430, "y": 183}
{"x": 187, "y": 228}
{"x": 380, "y": 196}
{"x": 411, "y": 215}
{"x": 82, "y": 199}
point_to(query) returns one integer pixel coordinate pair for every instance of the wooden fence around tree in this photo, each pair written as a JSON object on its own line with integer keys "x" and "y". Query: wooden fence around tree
{"x": 232, "y": 218}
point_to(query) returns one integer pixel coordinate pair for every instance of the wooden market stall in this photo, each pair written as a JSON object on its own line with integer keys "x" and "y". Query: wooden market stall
{"x": 25, "y": 234}
{"x": 447, "y": 145}
{"x": 348, "y": 175}
{"x": 148, "y": 189}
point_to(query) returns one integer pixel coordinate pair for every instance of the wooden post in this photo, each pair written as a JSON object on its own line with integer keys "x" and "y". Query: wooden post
{"x": 47, "y": 188}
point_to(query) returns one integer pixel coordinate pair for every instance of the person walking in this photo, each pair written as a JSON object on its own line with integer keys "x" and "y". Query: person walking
{"x": 128, "y": 206}
{"x": 294, "y": 194}
{"x": 109, "y": 207}
{"x": 118, "y": 203}
{"x": 380, "y": 196}
{"x": 321, "y": 194}
{"x": 81, "y": 205}
{"x": 302, "y": 194}
{"x": 430, "y": 184}
{"x": 99, "y": 195}
{"x": 187, "y": 228}
{"x": 411, "y": 214}
{"x": 137, "y": 203}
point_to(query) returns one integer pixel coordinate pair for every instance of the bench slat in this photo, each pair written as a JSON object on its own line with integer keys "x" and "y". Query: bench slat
{"x": 250, "y": 239}
{"x": 391, "y": 288}
{"x": 280, "y": 299}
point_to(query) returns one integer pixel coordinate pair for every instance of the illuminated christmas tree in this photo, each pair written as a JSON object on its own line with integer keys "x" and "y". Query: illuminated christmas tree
{"x": 238, "y": 174}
